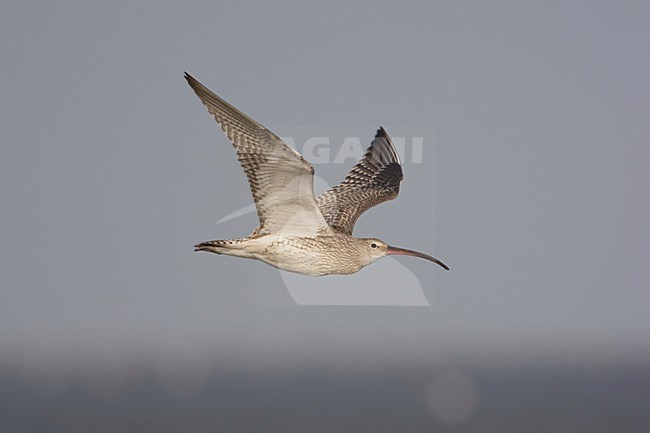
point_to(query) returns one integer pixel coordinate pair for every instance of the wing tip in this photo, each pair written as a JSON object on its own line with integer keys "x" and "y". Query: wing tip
{"x": 191, "y": 80}
{"x": 382, "y": 134}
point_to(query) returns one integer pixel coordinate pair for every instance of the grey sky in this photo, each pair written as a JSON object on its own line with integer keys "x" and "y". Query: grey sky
{"x": 534, "y": 189}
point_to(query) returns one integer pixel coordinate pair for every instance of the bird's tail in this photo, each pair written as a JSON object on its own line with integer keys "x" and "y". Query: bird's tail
{"x": 222, "y": 246}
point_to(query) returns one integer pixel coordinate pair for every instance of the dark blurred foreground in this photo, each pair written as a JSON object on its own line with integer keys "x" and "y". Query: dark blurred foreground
{"x": 533, "y": 399}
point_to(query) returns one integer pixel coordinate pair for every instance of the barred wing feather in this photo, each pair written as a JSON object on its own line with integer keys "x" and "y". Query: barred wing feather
{"x": 375, "y": 179}
{"x": 280, "y": 179}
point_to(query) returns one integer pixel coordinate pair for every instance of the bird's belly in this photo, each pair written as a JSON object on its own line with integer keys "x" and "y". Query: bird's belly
{"x": 306, "y": 256}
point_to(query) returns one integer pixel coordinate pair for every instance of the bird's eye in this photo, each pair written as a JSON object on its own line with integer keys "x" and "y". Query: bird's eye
{"x": 373, "y": 245}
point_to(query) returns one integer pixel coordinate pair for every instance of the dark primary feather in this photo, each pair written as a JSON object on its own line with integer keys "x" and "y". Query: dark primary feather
{"x": 375, "y": 179}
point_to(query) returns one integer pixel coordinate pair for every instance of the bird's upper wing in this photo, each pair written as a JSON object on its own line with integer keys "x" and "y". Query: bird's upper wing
{"x": 373, "y": 180}
{"x": 280, "y": 179}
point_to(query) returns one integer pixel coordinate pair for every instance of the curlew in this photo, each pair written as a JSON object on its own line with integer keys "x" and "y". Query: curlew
{"x": 299, "y": 232}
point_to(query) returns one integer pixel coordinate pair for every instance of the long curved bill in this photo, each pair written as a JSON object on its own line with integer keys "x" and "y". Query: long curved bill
{"x": 405, "y": 252}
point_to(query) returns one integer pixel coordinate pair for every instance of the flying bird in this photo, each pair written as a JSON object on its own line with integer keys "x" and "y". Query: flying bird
{"x": 299, "y": 232}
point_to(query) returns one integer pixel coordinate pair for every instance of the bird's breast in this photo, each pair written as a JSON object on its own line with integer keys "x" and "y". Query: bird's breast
{"x": 311, "y": 256}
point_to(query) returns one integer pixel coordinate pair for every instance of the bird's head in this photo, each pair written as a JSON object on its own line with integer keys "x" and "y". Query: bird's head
{"x": 375, "y": 249}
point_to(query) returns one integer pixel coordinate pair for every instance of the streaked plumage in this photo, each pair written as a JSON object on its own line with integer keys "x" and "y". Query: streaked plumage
{"x": 298, "y": 232}
{"x": 373, "y": 180}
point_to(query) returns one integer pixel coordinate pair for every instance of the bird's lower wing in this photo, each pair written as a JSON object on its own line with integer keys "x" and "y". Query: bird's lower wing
{"x": 279, "y": 177}
{"x": 375, "y": 179}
